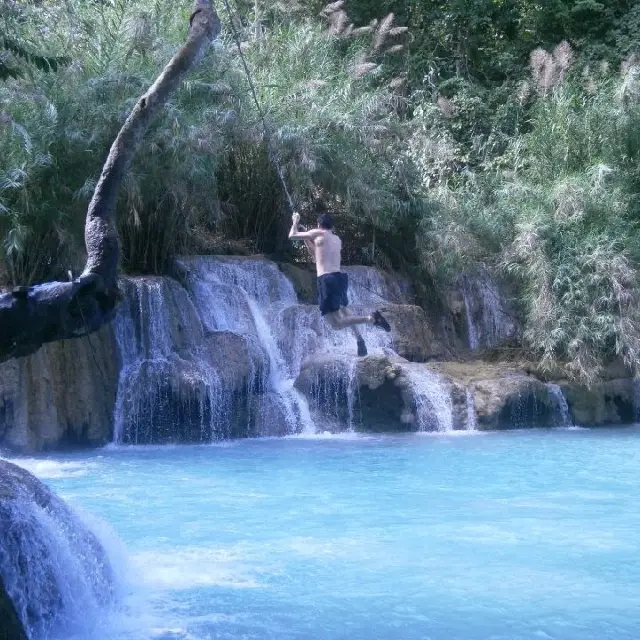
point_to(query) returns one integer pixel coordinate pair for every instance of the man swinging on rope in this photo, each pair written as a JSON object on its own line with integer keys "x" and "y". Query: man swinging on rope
{"x": 325, "y": 248}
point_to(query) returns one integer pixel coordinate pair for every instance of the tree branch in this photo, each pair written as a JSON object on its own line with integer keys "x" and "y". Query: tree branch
{"x": 31, "y": 316}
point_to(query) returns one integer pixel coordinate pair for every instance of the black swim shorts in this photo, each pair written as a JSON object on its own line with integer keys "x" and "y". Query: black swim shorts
{"x": 332, "y": 291}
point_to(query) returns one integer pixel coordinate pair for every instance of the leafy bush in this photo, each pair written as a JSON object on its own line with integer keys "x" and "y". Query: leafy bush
{"x": 560, "y": 216}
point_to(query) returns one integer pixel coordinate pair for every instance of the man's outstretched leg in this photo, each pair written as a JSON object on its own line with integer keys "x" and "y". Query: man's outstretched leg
{"x": 342, "y": 319}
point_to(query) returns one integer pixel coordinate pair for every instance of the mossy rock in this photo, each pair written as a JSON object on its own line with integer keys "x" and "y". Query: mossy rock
{"x": 303, "y": 280}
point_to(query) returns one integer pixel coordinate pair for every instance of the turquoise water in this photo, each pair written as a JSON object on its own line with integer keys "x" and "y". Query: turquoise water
{"x": 503, "y": 536}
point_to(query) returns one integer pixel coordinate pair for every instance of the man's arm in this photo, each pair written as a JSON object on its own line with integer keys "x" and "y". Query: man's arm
{"x": 294, "y": 233}
{"x": 299, "y": 232}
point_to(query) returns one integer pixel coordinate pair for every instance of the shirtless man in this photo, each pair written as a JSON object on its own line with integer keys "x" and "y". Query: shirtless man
{"x": 325, "y": 248}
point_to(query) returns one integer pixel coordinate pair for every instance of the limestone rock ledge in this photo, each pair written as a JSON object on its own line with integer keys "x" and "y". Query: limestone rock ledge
{"x": 63, "y": 395}
{"x": 372, "y": 394}
{"x": 389, "y": 394}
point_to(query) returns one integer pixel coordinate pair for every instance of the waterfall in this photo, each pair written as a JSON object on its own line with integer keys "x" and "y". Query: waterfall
{"x": 371, "y": 287}
{"x": 248, "y": 297}
{"x": 472, "y": 419}
{"x": 53, "y": 568}
{"x": 489, "y": 323}
{"x": 562, "y": 413}
{"x": 166, "y": 388}
{"x": 434, "y": 408}
{"x": 216, "y": 353}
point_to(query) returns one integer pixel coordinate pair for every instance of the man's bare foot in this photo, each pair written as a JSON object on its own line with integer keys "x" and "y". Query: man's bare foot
{"x": 362, "y": 348}
{"x": 380, "y": 321}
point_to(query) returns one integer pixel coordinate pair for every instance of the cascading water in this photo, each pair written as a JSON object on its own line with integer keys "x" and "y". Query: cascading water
{"x": 472, "y": 418}
{"x": 52, "y": 567}
{"x": 489, "y": 323}
{"x": 434, "y": 408}
{"x": 166, "y": 389}
{"x": 247, "y": 296}
{"x": 562, "y": 412}
{"x": 174, "y": 383}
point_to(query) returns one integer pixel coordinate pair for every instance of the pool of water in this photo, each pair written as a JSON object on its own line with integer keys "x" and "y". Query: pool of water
{"x": 502, "y": 536}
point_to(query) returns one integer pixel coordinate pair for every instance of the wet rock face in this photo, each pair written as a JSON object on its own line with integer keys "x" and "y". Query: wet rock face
{"x": 606, "y": 403}
{"x": 63, "y": 395}
{"x": 11, "y": 627}
{"x": 53, "y": 570}
{"x": 503, "y": 396}
{"x": 413, "y": 336}
{"x": 367, "y": 394}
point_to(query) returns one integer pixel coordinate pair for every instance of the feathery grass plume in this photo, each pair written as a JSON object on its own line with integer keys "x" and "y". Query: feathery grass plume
{"x": 396, "y": 48}
{"x": 630, "y": 63}
{"x": 337, "y": 22}
{"x": 397, "y": 83}
{"x": 629, "y": 89}
{"x": 347, "y": 32}
{"x": 562, "y": 58}
{"x": 382, "y": 33}
{"x": 542, "y": 70}
{"x": 524, "y": 91}
{"x": 361, "y": 69}
{"x": 361, "y": 31}
{"x": 332, "y": 7}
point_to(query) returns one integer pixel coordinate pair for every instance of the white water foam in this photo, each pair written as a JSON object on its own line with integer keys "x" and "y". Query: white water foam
{"x": 472, "y": 420}
{"x": 53, "y": 469}
{"x": 432, "y": 397}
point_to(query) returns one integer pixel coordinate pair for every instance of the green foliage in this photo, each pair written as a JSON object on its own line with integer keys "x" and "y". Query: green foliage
{"x": 561, "y": 218}
{"x": 203, "y": 177}
{"x": 485, "y": 133}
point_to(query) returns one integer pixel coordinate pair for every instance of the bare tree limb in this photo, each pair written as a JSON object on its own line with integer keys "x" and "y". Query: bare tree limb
{"x": 31, "y": 316}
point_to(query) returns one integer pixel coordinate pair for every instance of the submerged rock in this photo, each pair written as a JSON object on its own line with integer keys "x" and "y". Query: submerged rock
{"x": 52, "y": 568}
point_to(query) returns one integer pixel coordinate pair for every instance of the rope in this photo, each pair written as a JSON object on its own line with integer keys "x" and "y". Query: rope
{"x": 272, "y": 155}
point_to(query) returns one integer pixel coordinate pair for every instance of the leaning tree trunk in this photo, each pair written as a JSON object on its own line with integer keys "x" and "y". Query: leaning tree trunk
{"x": 31, "y": 316}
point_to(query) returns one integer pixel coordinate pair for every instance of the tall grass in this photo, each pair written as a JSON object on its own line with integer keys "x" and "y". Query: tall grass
{"x": 203, "y": 178}
{"x": 560, "y": 217}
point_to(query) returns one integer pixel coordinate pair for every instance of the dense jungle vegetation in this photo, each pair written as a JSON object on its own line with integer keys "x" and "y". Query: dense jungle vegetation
{"x": 447, "y": 137}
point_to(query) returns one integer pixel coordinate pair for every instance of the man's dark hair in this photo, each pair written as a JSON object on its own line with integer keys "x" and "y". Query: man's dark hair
{"x": 325, "y": 221}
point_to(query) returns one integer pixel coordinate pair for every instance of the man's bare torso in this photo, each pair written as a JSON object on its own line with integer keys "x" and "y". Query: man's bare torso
{"x": 328, "y": 247}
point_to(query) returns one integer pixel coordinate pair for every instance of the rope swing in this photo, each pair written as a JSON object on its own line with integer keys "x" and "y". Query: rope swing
{"x": 273, "y": 157}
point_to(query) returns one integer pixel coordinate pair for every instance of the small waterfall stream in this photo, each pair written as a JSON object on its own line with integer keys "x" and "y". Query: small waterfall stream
{"x": 246, "y": 296}
{"x": 472, "y": 418}
{"x": 489, "y": 323}
{"x": 563, "y": 414}
{"x": 165, "y": 381}
{"x": 432, "y": 396}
